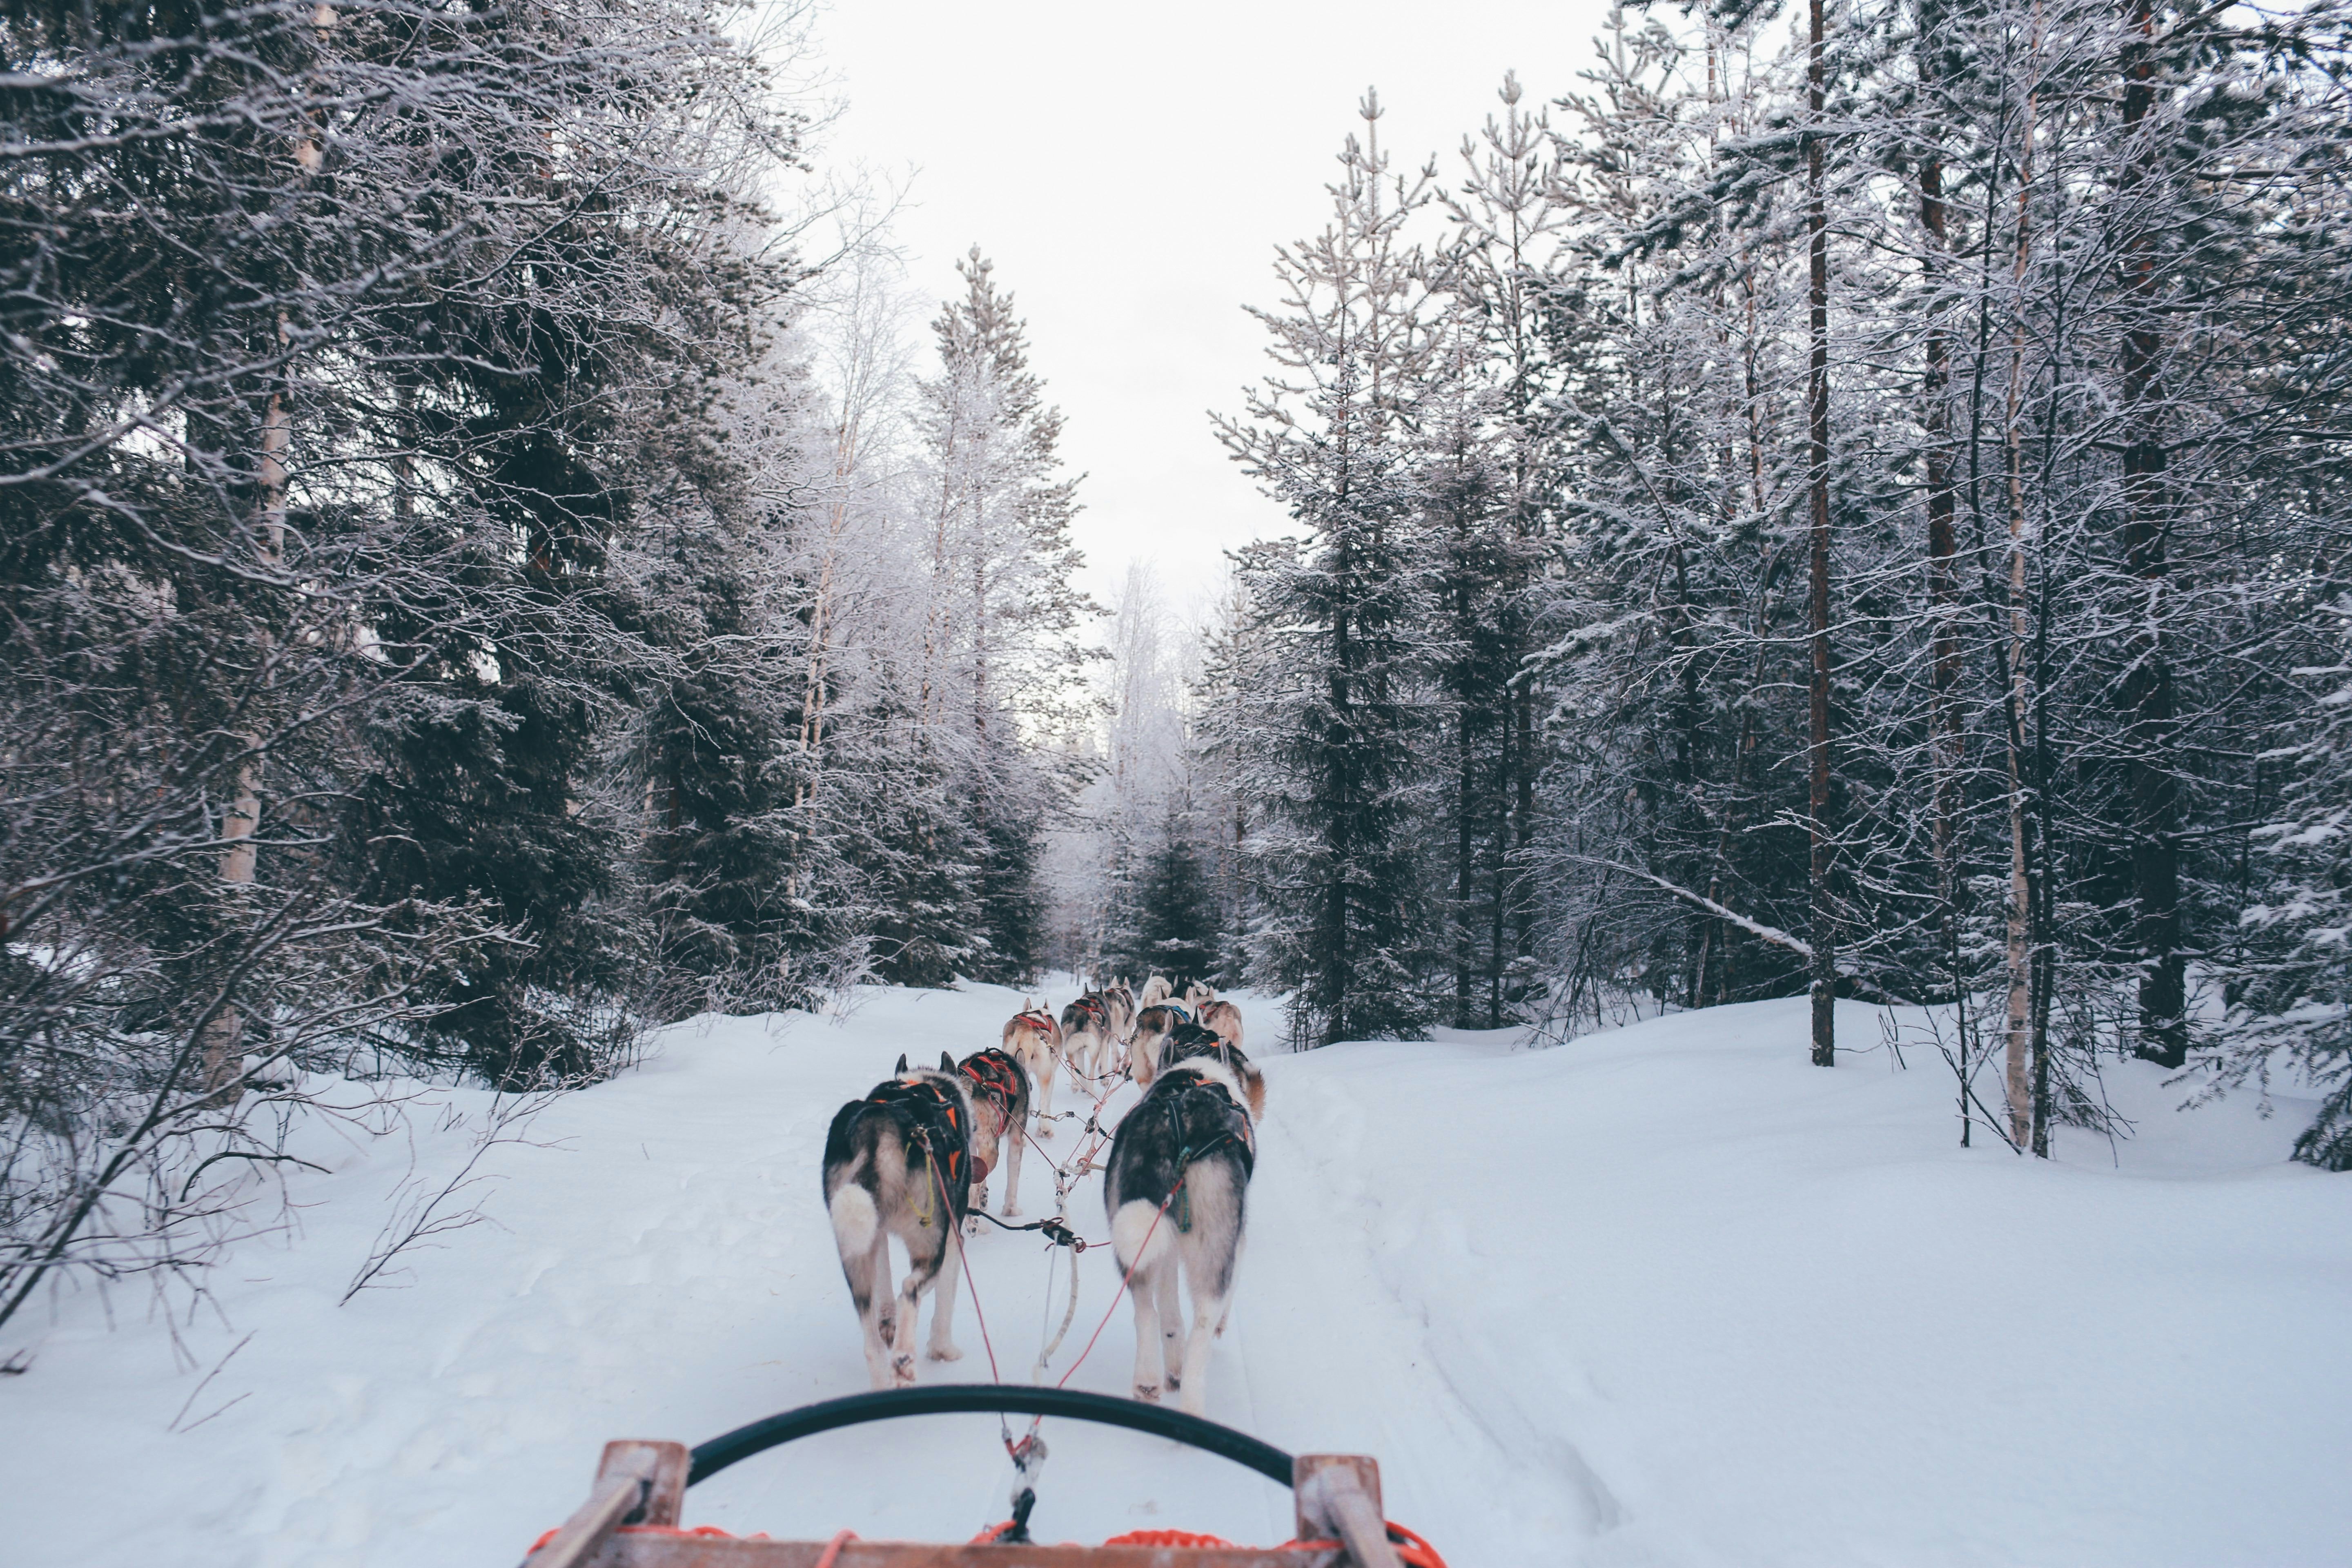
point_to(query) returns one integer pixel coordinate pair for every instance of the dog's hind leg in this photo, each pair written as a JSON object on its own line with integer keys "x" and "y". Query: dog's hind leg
{"x": 921, "y": 1272}
{"x": 870, "y": 1288}
{"x": 1044, "y": 1077}
{"x": 943, "y": 1300}
{"x": 1172, "y": 1327}
{"x": 1148, "y": 1364}
{"x": 1016, "y": 1133}
{"x": 1208, "y": 1322}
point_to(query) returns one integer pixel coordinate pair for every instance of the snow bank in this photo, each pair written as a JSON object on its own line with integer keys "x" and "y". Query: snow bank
{"x": 1664, "y": 1296}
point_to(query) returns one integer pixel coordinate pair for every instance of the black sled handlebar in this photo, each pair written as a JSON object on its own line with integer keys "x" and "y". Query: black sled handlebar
{"x": 967, "y": 1398}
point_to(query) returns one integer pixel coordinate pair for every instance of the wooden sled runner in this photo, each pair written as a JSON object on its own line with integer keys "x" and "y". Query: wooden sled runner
{"x": 631, "y": 1517}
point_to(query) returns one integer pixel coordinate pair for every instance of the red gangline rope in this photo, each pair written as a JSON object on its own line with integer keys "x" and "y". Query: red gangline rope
{"x": 955, "y": 1228}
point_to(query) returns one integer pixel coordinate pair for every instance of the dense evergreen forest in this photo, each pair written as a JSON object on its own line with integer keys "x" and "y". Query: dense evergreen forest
{"x": 1849, "y": 500}
{"x": 1860, "y": 508}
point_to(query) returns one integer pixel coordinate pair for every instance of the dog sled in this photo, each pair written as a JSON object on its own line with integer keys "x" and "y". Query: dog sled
{"x": 631, "y": 1517}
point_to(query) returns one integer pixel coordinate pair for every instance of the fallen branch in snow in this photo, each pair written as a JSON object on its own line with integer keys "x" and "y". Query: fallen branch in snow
{"x": 1757, "y": 929}
{"x": 197, "y": 1393}
{"x": 420, "y": 1217}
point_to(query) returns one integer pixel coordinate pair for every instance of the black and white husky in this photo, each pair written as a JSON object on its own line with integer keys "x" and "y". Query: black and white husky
{"x": 899, "y": 1162}
{"x": 1184, "y": 1042}
{"x": 1193, "y": 1127}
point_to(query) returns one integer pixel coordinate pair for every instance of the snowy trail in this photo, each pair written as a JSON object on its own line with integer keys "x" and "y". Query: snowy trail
{"x": 1663, "y": 1297}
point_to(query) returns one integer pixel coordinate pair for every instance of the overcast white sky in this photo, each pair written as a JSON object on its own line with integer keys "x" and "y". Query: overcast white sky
{"x": 1130, "y": 169}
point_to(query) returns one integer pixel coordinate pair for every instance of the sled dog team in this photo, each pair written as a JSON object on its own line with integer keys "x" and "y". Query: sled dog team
{"x": 913, "y": 1158}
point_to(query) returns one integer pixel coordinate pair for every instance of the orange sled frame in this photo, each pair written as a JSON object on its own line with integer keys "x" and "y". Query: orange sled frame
{"x": 631, "y": 1517}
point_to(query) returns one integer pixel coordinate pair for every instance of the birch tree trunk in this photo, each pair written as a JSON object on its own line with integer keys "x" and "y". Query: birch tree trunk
{"x": 220, "y": 1062}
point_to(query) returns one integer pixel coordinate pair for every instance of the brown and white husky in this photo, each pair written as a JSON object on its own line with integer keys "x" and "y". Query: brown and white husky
{"x": 1034, "y": 1038}
{"x": 999, "y": 1087}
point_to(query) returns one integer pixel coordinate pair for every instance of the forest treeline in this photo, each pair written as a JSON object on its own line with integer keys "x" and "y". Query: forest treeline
{"x": 1849, "y": 502}
{"x": 480, "y": 573}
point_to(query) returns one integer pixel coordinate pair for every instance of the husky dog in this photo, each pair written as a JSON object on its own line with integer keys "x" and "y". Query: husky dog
{"x": 1120, "y": 1000}
{"x": 1192, "y": 1129}
{"x": 898, "y": 1162}
{"x": 1225, "y": 1019}
{"x": 1152, "y": 1026}
{"x": 1198, "y": 994}
{"x": 1034, "y": 1039}
{"x": 1087, "y": 1035}
{"x": 999, "y": 1088}
{"x": 1188, "y": 1043}
{"x": 1122, "y": 997}
{"x": 1156, "y": 990}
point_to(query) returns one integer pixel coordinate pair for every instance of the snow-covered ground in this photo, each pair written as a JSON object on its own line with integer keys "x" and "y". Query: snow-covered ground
{"x": 1665, "y": 1296}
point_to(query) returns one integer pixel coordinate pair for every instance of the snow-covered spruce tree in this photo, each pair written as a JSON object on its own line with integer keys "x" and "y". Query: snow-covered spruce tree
{"x": 1332, "y": 733}
{"x": 1001, "y": 664}
{"x": 1501, "y": 430}
{"x": 1223, "y": 808}
{"x": 749, "y": 908}
{"x": 1176, "y": 921}
{"x": 541, "y": 400}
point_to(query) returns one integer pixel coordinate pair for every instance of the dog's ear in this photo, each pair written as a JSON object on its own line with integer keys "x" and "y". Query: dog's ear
{"x": 902, "y": 1062}
{"x": 947, "y": 1061}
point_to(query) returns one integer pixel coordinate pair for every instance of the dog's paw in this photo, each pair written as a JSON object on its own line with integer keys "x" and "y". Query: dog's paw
{"x": 1148, "y": 1391}
{"x": 946, "y": 1352}
{"x": 1044, "y": 1130}
{"x": 902, "y": 1369}
{"x": 1175, "y": 1382}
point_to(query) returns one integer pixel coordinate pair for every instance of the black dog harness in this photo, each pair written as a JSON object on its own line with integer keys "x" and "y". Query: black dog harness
{"x": 937, "y": 1118}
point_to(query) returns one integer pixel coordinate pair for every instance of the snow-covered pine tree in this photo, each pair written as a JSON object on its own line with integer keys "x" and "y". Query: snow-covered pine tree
{"x": 538, "y": 406}
{"x": 1505, "y": 216}
{"x": 1332, "y": 736}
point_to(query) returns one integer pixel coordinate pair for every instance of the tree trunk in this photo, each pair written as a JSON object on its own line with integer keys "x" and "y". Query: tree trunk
{"x": 2018, "y": 1075}
{"x": 1824, "y": 962}
{"x": 1946, "y": 723}
{"x": 2147, "y": 693}
{"x": 220, "y": 1061}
